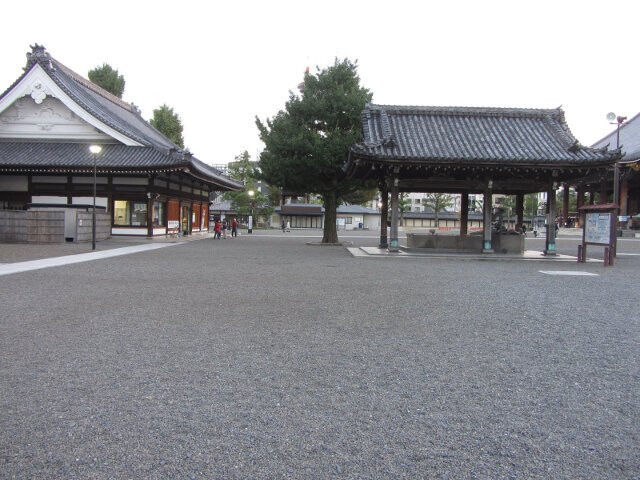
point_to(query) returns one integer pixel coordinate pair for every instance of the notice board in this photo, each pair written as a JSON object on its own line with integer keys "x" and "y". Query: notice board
{"x": 598, "y": 228}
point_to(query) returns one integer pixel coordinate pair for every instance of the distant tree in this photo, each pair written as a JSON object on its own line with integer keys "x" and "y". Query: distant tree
{"x": 573, "y": 201}
{"x": 438, "y": 202}
{"x": 242, "y": 168}
{"x": 307, "y": 143}
{"x": 531, "y": 205}
{"x": 108, "y": 78}
{"x": 245, "y": 170}
{"x": 508, "y": 207}
{"x": 404, "y": 205}
{"x": 168, "y": 123}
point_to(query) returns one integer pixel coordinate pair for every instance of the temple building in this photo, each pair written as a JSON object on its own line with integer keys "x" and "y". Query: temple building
{"x": 464, "y": 150}
{"x": 627, "y": 137}
{"x": 144, "y": 184}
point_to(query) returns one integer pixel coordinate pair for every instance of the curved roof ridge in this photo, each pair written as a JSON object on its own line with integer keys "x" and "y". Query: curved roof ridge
{"x": 92, "y": 86}
{"x": 465, "y": 110}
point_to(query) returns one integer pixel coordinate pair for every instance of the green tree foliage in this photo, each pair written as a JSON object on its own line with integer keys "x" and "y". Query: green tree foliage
{"x": 307, "y": 143}
{"x": 167, "y": 122}
{"x": 245, "y": 170}
{"x": 530, "y": 205}
{"x": 573, "y": 201}
{"x": 361, "y": 196}
{"x": 108, "y": 78}
{"x": 438, "y": 202}
{"x": 242, "y": 168}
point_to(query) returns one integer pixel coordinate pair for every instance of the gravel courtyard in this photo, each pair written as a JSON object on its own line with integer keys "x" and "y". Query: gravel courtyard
{"x": 264, "y": 357}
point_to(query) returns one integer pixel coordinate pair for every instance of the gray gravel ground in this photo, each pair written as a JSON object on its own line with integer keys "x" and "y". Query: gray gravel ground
{"x": 263, "y": 357}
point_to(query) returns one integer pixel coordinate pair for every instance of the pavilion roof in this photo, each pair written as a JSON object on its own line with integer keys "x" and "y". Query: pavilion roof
{"x": 469, "y": 135}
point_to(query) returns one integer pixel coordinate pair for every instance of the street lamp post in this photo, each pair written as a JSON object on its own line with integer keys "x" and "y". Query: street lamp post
{"x": 251, "y": 194}
{"x": 619, "y": 120}
{"x": 95, "y": 150}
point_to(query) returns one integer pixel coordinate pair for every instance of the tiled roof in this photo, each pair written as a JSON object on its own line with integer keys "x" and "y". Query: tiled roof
{"x": 157, "y": 152}
{"x": 464, "y": 135}
{"x": 113, "y": 157}
{"x": 629, "y": 139}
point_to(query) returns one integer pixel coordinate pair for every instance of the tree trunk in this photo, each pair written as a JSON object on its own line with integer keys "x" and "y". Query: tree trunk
{"x": 330, "y": 207}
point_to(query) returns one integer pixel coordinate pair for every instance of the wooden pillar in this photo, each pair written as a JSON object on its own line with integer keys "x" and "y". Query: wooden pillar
{"x": 384, "y": 211}
{"x": 550, "y": 243}
{"x": 393, "y": 243}
{"x": 149, "y": 215}
{"x": 565, "y": 204}
{"x": 464, "y": 213}
{"x": 592, "y": 196}
{"x": 519, "y": 210}
{"x": 603, "y": 192}
{"x": 580, "y": 203}
{"x": 487, "y": 246}
{"x": 624, "y": 196}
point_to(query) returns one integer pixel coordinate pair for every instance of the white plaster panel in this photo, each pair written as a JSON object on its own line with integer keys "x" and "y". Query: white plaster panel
{"x": 128, "y": 231}
{"x": 46, "y": 179}
{"x": 85, "y": 180}
{"x": 49, "y": 119}
{"x": 100, "y": 202}
{"x": 130, "y": 181}
{"x": 14, "y": 183}
{"x": 48, "y": 199}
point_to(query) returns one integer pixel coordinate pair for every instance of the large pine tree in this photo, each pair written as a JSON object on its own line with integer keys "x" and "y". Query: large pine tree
{"x": 307, "y": 143}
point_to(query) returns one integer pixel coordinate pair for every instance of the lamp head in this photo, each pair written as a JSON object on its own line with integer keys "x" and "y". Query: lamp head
{"x": 95, "y": 149}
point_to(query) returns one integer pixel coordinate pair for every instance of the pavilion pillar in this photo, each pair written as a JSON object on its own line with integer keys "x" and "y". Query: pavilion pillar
{"x": 393, "y": 243}
{"x": 624, "y": 196}
{"x": 487, "y": 246}
{"x": 603, "y": 192}
{"x": 464, "y": 213}
{"x": 565, "y": 204}
{"x": 384, "y": 212}
{"x": 550, "y": 243}
{"x": 592, "y": 196}
{"x": 580, "y": 203}
{"x": 519, "y": 210}
{"x": 149, "y": 215}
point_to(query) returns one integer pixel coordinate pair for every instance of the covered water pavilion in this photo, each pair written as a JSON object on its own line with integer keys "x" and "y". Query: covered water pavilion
{"x": 466, "y": 150}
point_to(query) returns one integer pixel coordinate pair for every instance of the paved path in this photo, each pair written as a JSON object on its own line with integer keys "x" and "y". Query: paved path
{"x": 17, "y": 267}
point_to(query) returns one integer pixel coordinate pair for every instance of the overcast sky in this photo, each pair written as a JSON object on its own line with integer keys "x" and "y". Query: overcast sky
{"x": 220, "y": 64}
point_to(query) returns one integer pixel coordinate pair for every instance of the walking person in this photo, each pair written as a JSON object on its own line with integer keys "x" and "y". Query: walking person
{"x": 216, "y": 229}
{"x": 234, "y": 227}
{"x": 283, "y": 226}
{"x": 224, "y": 229}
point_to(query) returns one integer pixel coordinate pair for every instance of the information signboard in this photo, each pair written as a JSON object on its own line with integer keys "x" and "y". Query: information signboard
{"x": 598, "y": 228}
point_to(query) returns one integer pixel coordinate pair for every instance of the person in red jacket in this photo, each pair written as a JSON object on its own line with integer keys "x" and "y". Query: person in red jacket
{"x": 234, "y": 228}
{"x": 216, "y": 229}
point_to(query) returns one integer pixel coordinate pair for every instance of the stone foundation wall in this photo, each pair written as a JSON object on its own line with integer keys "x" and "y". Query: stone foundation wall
{"x": 502, "y": 243}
